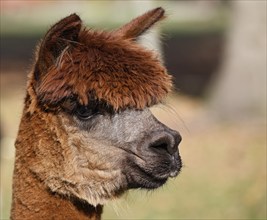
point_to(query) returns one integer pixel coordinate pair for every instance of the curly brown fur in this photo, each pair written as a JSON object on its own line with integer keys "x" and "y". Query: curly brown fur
{"x": 111, "y": 66}
{"x": 86, "y": 129}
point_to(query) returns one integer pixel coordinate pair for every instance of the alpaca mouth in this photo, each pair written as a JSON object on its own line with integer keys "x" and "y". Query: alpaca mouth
{"x": 171, "y": 172}
{"x": 174, "y": 173}
{"x": 176, "y": 165}
{"x": 154, "y": 175}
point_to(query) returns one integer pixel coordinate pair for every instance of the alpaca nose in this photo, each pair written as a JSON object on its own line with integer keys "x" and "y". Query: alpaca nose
{"x": 166, "y": 141}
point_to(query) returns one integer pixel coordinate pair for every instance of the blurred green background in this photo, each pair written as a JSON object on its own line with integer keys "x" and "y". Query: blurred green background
{"x": 216, "y": 51}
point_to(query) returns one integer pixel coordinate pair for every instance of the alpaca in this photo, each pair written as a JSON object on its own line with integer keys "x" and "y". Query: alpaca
{"x": 87, "y": 134}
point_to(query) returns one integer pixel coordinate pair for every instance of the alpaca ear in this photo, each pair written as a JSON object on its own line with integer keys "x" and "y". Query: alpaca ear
{"x": 139, "y": 25}
{"x": 55, "y": 41}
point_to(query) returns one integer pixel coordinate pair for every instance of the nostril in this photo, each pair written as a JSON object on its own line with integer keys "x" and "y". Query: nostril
{"x": 160, "y": 144}
{"x": 166, "y": 141}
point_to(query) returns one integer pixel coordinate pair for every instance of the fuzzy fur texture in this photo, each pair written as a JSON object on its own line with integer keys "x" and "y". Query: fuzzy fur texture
{"x": 44, "y": 166}
{"x": 108, "y": 66}
{"x": 61, "y": 170}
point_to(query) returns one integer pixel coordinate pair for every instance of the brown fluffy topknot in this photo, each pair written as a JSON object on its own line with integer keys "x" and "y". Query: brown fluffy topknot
{"x": 107, "y": 66}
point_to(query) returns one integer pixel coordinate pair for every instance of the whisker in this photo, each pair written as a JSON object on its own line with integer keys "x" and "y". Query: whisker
{"x": 131, "y": 152}
{"x": 178, "y": 118}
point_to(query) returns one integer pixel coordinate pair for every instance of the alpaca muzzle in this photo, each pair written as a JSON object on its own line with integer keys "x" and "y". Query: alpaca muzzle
{"x": 167, "y": 142}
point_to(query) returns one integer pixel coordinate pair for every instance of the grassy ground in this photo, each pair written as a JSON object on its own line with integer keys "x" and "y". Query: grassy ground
{"x": 225, "y": 164}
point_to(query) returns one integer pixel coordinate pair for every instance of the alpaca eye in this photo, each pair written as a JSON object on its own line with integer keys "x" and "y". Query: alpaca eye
{"x": 85, "y": 112}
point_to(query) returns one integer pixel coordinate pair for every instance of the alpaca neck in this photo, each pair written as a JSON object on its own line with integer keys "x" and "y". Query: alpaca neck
{"x": 32, "y": 199}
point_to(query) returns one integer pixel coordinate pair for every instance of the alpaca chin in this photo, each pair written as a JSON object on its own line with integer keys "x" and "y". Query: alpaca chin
{"x": 98, "y": 194}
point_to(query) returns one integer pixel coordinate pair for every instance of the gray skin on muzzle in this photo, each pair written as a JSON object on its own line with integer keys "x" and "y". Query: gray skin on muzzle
{"x": 150, "y": 147}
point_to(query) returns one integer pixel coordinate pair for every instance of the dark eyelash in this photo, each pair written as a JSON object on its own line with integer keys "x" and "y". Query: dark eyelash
{"x": 86, "y": 112}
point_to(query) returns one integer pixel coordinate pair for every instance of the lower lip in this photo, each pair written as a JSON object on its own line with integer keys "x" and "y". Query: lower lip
{"x": 173, "y": 173}
{"x": 175, "y": 168}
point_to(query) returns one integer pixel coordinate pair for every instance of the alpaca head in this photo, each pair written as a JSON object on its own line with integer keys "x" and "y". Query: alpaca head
{"x": 95, "y": 88}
